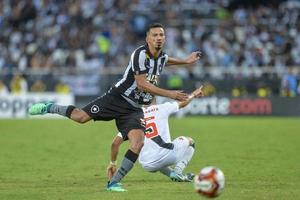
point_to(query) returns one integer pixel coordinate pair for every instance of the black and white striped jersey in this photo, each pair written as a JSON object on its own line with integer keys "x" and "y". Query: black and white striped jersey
{"x": 141, "y": 62}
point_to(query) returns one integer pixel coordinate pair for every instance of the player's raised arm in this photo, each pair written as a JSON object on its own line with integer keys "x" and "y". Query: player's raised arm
{"x": 144, "y": 85}
{"x": 196, "y": 93}
{"x": 192, "y": 58}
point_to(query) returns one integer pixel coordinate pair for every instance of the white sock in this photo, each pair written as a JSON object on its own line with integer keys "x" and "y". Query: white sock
{"x": 181, "y": 165}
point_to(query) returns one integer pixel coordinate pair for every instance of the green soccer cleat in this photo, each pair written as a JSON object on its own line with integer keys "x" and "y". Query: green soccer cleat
{"x": 39, "y": 108}
{"x": 115, "y": 187}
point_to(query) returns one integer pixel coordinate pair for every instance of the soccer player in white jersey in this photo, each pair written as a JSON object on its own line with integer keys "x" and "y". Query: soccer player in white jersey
{"x": 159, "y": 152}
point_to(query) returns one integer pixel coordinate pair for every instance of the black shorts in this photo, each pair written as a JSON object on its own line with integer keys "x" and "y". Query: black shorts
{"x": 113, "y": 106}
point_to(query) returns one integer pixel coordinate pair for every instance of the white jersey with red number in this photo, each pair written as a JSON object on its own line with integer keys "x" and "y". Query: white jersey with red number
{"x": 157, "y": 143}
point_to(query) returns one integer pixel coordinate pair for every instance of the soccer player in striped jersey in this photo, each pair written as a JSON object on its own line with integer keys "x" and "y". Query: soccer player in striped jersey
{"x": 124, "y": 100}
{"x": 158, "y": 152}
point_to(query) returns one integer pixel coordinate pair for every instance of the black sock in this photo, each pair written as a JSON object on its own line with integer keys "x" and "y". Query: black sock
{"x": 69, "y": 111}
{"x": 126, "y": 165}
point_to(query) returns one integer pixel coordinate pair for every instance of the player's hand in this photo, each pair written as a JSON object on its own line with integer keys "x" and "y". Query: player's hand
{"x": 198, "y": 92}
{"x": 111, "y": 170}
{"x": 193, "y": 57}
{"x": 178, "y": 95}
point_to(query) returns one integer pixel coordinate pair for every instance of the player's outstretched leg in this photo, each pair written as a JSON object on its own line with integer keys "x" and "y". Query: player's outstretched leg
{"x": 69, "y": 111}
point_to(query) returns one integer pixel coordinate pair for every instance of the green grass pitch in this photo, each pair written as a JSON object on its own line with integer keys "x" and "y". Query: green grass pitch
{"x": 59, "y": 159}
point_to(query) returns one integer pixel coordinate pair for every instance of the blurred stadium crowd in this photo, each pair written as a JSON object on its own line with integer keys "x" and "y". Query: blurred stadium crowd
{"x": 92, "y": 35}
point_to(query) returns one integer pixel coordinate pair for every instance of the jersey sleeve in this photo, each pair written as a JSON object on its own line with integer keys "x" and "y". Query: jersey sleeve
{"x": 123, "y": 136}
{"x": 137, "y": 61}
{"x": 167, "y": 58}
{"x": 169, "y": 107}
{"x": 120, "y": 135}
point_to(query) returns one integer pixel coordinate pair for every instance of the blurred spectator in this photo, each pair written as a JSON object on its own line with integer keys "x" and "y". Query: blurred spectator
{"x": 38, "y": 86}
{"x": 263, "y": 91}
{"x": 239, "y": 91}
{"x": 298, "y": 89}
{"x": 289, "y": 83}
{"x": 62, "y": 88}
{"x": 209, "y": 89}
{"x": 18, "y": 85}
{"x": 3, "y": 89}
{"x": 174, "y": 82}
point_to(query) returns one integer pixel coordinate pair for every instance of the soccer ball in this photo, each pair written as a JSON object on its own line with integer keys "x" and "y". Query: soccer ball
{"x": 209, "y": 182}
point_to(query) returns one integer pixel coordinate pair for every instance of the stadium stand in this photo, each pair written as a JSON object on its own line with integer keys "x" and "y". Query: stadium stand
{"x": 257, "y": 42}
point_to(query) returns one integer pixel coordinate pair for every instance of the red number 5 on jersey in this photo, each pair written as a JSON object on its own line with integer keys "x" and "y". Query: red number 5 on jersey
{"x": 151, "y": 129}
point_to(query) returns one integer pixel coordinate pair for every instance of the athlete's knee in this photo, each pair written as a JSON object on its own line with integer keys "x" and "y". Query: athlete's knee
{"x": 136, "y": 146}
{"x": 191, "y": 142}
{"x": 136, "y": 138}
{"x": 80, "y": 116}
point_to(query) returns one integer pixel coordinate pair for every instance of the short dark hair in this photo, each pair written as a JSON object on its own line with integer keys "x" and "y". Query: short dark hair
{"x": 154, "y": 25}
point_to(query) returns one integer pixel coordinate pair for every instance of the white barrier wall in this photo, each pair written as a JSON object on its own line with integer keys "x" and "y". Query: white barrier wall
{"x": 16, "y": 106}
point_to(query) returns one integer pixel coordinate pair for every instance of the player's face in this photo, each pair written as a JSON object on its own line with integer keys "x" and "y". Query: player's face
{"x": 156, "y": 38}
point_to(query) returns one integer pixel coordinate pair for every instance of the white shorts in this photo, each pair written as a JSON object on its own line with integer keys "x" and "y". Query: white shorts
{"x": 171, "y": 157}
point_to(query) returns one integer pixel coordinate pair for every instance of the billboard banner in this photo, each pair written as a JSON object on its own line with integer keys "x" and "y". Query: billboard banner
{"x": 277, "y": 106}
{"x": 16, "y": 106}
